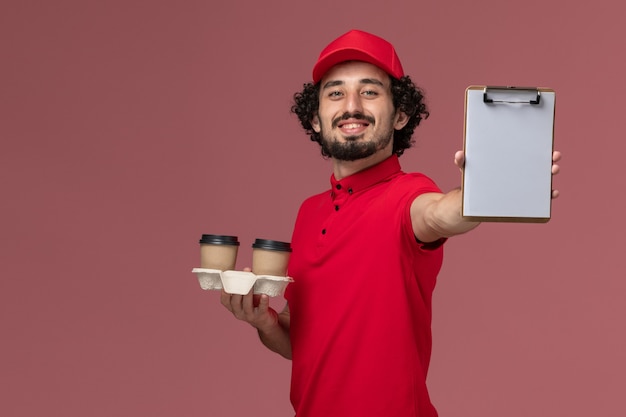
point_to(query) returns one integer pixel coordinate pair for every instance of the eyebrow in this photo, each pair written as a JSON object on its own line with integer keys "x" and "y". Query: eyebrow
{"x": 362, "y": 81}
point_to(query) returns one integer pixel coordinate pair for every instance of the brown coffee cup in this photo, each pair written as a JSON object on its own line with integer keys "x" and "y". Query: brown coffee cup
{"x": 218, "y": 252}
{"x": 270, "y": 257}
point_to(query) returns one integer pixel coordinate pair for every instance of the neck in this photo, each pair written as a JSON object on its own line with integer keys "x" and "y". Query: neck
{"x": 342, "y": 169}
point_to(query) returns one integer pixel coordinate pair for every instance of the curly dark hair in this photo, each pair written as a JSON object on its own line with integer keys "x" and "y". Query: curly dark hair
{"x": 406, "y": 96}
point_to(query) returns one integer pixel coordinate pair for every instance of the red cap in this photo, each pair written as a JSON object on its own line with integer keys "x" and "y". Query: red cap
{"x": 357, "y": 45}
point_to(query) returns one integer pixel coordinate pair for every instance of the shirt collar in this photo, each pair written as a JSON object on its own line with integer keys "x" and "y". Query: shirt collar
{"x": 366, "y": 178}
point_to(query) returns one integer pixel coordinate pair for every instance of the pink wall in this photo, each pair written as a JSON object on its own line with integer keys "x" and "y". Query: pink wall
{"x": 128, "y": 128}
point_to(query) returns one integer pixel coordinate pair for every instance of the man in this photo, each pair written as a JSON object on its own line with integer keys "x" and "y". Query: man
{"x": 366, "y": 253}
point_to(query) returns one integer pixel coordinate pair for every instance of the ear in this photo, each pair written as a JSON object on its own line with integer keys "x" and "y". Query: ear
{"x": 401, "y": 120}
{"x": 315, "y": 123}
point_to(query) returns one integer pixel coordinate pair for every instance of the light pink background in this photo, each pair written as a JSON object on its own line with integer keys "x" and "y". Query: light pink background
{"x": 129, "y": 128}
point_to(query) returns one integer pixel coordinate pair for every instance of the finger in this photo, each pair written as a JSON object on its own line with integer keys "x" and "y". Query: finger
{"x": 555, "y": 169}
{"x": 236, "y": 304}
{"x": 247, "y": 304}
{"x": 247, "y": 269}
{"x": 264, "y": 303}
{"x": 556, "y": 156}
{"x": 225, "y": 300}
{"x": 555, "y": 193}
{"x": 459, "y": 159}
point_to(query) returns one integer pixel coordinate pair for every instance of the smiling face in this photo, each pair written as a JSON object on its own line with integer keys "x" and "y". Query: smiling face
{"x": 356, "y": 118}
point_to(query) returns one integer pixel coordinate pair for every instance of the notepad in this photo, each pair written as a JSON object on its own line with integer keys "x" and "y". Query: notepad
{"x": 508, "y": 144}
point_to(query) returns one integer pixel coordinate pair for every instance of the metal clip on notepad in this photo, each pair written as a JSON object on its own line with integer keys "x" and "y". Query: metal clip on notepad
{"x": 529, "y": 95}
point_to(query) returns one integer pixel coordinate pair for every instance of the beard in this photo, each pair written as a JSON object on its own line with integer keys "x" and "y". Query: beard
{"x": 353, "y": 149}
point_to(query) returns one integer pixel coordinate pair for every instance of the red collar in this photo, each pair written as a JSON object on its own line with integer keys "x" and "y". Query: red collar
{"x": 361, "y": 180}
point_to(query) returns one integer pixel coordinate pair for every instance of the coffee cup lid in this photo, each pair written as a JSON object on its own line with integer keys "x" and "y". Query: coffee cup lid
{"x": 272, "y": 245}
{"x": 219, "y": 240}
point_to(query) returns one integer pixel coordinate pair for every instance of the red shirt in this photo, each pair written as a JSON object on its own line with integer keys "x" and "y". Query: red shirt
{"x": 360, "y": 303}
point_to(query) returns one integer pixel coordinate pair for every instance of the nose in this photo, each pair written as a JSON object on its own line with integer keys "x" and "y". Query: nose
{"x": 353, "y": 103}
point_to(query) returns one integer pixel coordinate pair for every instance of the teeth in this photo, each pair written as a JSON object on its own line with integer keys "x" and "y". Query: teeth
{"x": 352, "y": 125}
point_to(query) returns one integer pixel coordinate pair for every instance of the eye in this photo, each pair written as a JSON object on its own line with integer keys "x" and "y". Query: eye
{"x": 334, "y": 94}
{"x": 370, "y": 93}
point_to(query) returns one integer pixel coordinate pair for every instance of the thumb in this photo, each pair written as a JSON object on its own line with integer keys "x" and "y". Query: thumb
{"x": 459, "y": 159}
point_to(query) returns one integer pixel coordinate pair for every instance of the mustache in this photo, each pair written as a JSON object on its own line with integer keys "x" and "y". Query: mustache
{"x": 357, "y": 116}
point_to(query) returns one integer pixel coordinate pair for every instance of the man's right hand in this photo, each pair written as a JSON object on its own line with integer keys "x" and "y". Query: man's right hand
{"x": 252, "y": 308}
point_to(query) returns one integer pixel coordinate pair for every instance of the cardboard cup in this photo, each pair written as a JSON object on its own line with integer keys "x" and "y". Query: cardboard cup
{"x": 270, "y": 257}
{"x": 218, "y": 252}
